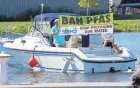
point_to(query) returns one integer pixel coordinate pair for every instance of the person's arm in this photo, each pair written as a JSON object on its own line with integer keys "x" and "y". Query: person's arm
{"x": 104, "y": 44}
{"x": 108, "y": 39}
{"x": 54, "y": 33}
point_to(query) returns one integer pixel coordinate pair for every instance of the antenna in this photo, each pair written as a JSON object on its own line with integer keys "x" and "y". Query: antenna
{"x": 41, "y": 11}
{"x": 41, "y": 19}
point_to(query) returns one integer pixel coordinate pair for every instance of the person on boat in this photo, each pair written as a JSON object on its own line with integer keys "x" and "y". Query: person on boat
{"x": 136, "y": 77}
{"x": 109, "y": 42}
{"x": 58, "y": 40}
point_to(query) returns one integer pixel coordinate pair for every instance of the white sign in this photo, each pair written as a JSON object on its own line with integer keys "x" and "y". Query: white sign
{"x": 108, "y": 28}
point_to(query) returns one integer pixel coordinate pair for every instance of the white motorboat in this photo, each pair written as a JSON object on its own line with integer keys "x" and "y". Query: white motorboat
{"x": 94, "y": 58}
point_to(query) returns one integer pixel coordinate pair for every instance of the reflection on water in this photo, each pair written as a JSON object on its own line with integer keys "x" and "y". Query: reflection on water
{"x": 20, "y": 72}
{"x": 54, "y": 77}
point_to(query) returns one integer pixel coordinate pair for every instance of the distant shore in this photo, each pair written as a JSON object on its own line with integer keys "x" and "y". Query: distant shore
{"x": 24, "y": 27}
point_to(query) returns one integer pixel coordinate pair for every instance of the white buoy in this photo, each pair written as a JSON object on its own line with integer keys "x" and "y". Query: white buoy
{"x": 4, "y": 68}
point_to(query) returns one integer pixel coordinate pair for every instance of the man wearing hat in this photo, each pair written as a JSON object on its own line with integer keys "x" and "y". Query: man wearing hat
{"x": 58, "y": 40}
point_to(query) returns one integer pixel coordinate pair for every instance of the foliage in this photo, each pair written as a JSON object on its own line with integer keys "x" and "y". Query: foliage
{"x": 11, "y": 19}
{"x": 30, "y": 13}
{"x": 96, "y": 12}
{"x": 88, "y": 4}
{"x": 21, "y": 17}
{"x": 63, "y": 9}
{"x": 84, "y": 3}
{"x": 46, "y": 9}
{"x": 92, "y": 13}
{"x": 126, "y": 17}
{"x": 3, "y": 18}
{"x": 27, "y": 15}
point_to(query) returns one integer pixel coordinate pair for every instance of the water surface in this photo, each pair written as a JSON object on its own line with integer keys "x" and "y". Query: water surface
{"x": 19, "y": 72}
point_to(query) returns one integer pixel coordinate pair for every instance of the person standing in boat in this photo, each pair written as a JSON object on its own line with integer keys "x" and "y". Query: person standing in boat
{"x": 58, "y": 40}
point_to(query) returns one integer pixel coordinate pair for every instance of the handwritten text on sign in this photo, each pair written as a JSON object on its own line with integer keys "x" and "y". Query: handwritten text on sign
{"x": 65, "y": 21}
{"x": 108, "y": 28}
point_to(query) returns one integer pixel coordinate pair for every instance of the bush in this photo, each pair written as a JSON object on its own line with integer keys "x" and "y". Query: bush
{"x": 96, "y": 12}
{"x": 92, "y": 13}
{"x": 30, "y": 13}
{"x": 83, "y": 13}
{"x": 11, "y": 19}
{"x": 3, "y": 18}
{"x": 126, "y": 17}
{"x": 46, "y": 9}
{"x": 21, "y": 17}
{"x": 63, "y": 9}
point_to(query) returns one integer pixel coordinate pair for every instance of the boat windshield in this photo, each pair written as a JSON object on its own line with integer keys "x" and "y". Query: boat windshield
{"x": 40, "y": 27}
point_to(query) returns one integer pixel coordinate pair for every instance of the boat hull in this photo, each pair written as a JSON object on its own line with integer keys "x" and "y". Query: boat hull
{"x": 74, "y": 64}
{"x": 71, "y": 63}
{"x": 96, "y": 59}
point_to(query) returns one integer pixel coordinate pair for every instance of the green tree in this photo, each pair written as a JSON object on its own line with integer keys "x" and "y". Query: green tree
{"x": 88, "y": 4}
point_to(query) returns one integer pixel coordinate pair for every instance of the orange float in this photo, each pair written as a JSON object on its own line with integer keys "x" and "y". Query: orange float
{"x": 33, "y": 62}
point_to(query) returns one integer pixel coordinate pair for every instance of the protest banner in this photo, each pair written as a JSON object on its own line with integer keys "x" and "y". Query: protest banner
{"x": 87, "y": 29}
{"x": 70, "y": 25}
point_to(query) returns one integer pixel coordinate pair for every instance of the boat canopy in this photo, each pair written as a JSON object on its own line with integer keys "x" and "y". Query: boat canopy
{"x": 51, "y": 16}
{"x": 43, "y": 25}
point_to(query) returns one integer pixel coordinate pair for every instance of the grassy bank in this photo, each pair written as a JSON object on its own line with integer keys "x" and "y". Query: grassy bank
{"x": 18, "y": 27}
{"x": 127, "y": 25}
{"x": 120, "y": 26}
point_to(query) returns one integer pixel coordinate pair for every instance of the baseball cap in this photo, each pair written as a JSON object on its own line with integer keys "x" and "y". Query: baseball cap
{"x": 56, "y": 20}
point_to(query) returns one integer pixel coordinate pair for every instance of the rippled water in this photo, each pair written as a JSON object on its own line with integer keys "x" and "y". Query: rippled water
{"x": 19, "y": 72}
